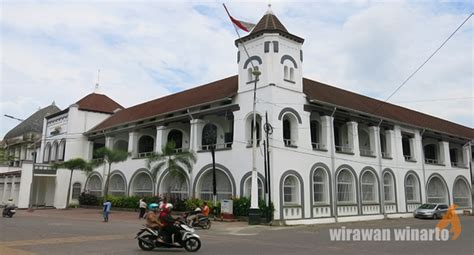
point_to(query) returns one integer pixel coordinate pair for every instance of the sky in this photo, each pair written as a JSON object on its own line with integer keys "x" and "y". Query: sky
{"x": 51, "y": 51}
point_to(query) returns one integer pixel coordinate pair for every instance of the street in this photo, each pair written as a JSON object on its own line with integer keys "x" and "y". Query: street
{"x": 81, "y": 231}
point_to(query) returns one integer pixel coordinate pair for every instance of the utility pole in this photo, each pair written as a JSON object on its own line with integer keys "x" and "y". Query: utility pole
{"x": 268, "y": 131}
{"x": 254, "y": 212}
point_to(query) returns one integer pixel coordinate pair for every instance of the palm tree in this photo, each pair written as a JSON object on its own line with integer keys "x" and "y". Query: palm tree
{"x": 107, "y": 156}
{"x": 74, "y": 164}
{"x": 175, "y": 162}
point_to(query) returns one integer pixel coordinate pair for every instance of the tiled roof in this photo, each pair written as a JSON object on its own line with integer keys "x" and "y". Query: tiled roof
{"x": 98, "y": 103}
{"x": 314, "y": 90}
{"x": 34, "y": 123}
{"x": 213, "y": 91}
{"x": 343, "y": 98}
{"x": 269, "y": 23}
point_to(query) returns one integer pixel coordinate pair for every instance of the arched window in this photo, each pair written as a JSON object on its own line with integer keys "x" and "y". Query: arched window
{"x": 146, "y": 143}
{"x": 412, "y": 189}
{"x": 117, "y": 185}
{"x": 174, "y": 186}
{"x": 315, "y": 135}
{"x": 248, "y": 188}
{"x": 209, "y": 134}
{"x": 346, "y": 190}
{"x": 388, "y": 188}
{"x": 291, "y": 190}
{"x": 461, "y": 194}
{"x": 61, "y": 150}
{"x": 368, "y": 184}
{"x": 249, "y": 128}
{"x": 437, "y": 192}
{"x": 430, "y": 153}
{"x": 292, "y": 74}
{"x": 285, "y": 73}
{"x": 47, "y": 153}
{"x": 364, "y": 140}
{"x": 142, "y": 185}
{"x": 177, "y": 137}
{"x": 290, "y": 130}
{"x": 76, "y": 190}
{"x": 121, "y": 145}
{"x": 94, "y": 186}
{"x": 383, "y": 145}
{"x": 223, "y": 186}
{"x": 54, "y": 151}
{"x": 249, "y": 74}
{"x": 320, "y": 186}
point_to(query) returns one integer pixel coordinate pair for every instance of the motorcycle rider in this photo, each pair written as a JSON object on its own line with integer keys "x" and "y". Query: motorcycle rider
{"x": 193, "y": 216}
{"x": 8, "y": 206}
{"x": 152, "y": 220}
{"x": 168, "y": 224}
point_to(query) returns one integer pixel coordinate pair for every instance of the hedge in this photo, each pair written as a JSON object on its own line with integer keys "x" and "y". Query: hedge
{"x": 241, "y": 206}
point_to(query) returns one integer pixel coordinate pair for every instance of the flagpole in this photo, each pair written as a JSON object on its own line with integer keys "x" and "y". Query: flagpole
{"x": 254, "y": 212}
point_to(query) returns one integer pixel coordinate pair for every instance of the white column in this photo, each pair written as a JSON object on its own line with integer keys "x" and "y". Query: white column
{"x": 413, "y": 149}
{"x": 12, "y": 191}
{"x": 466, "y": 155}
{"x": 159, "y": 142}
{"x": 443, "y": 156}
{"x": 374, "y": 137}
{"x": 4, "y": 198}
{"x": 353, "y": 137}
{"x": 196, "y": 134}
{"x": 109, "y": 142}
{"x": 90, "y": 149}
{"x": 133, "y": 144}
{"x": 326, "y": 132}
{"x": 390, "y": 143}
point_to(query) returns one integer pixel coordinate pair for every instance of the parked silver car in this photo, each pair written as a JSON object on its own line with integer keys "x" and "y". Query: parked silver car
{"x": 433, "y": 211}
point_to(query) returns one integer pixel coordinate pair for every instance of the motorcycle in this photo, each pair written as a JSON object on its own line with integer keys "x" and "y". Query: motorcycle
{"x": 202, "y": 221}
{"x": 148, "y": 239}
{"x": 8, "y": 212}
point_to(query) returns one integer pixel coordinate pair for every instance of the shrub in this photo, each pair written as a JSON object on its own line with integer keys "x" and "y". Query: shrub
{"x": 88, "y": 199}
{"x": 241, "y": 206}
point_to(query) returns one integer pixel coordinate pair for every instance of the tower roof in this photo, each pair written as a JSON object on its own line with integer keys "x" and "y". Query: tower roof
{"x": 269, "y": 23}
{"x": 98, "y": 103}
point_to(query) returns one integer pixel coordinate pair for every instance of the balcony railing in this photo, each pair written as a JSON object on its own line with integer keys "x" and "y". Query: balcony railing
{"x": 318, "y": 146}
{"x": 179, "y": 150}
{"x": 344, "y": 149}
{"x": 145, "y": 154}
{"x": 431, "y": 161}
{"x": 366, "y": 152}
{"x": 249, "y": 142}
{"x": 457, "y": 164}
{"x": 409, "y": 157}
{"x": 219, "y": 146}
{"x": 289, "y": 142}
{"x": 386, "y": 154}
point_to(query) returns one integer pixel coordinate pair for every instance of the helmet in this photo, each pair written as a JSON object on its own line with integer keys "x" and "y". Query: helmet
{"x": 169, "y": 206}
{"x": 197, "y": 209}
{"x": 153, "y": 206}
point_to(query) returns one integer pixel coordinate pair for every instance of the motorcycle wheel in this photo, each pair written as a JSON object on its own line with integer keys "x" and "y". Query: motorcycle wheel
{"x": 206, "y": 225}
{"x": 192, "y": 244}
{"x": 144, "y": 245}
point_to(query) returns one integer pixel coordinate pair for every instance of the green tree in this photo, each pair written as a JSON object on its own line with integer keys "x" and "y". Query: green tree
{"x": 74, "y": 164}
{"x": 175, "y": 162}
{"x": 107, "y": 156}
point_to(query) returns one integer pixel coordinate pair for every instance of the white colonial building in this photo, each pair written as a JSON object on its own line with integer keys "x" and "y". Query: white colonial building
{"x": 331, "y": 156}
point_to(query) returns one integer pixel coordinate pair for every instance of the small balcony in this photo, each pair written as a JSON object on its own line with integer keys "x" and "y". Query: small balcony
{"x": 319, "y": 146}
{"x": 144, "y": 154}
{"x": 289, "y": 142}
{"x": 432, "y": 161}
{"x": 219, "y": 146}
{"x": 457, "y": 164}
{"x": 367, "y": 153}
{"x": 344, "y": 149}
{"x": 386, "y": 155}
{"x": 409, "y": 158}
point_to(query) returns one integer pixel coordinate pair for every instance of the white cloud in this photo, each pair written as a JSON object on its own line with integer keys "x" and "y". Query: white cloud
{"x": 51, "y": 51}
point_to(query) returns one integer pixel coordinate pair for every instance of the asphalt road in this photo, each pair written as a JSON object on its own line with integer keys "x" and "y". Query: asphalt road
{"x": 81, "y": 231}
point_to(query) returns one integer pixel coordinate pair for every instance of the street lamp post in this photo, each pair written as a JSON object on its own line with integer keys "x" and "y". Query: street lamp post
{"x": 254, "y": 212}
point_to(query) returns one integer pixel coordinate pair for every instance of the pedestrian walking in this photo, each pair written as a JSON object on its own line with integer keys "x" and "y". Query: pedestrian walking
{"x": 142, "y": 205}
{"x": 106, "y": 211}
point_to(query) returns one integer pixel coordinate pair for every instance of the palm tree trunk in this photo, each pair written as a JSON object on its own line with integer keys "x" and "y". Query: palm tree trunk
{"x": 69, "y": 189}
{"x": 106, "y": 188}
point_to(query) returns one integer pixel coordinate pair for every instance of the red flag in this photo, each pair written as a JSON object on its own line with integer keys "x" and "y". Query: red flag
{"x": 246, "y": 26}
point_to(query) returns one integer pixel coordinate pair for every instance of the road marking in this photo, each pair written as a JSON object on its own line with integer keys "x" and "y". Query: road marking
{"x": 76, "y": 239}
{"x": 10, "y": 251}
